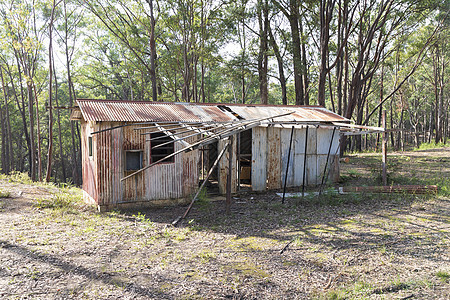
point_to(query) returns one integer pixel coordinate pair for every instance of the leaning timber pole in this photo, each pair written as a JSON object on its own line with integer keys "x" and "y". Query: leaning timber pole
{"x": 384, "y": 148}
{"x": 230, "y": 172}
{"x": 287, "y": 166}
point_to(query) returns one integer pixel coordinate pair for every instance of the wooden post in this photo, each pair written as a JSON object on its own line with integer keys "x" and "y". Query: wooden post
{"x": 238, "y": 161}
{"x": 230, "y": 172}
{"x": 384, "y": 149}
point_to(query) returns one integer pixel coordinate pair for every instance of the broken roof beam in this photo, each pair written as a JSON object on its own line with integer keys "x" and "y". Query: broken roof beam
{"x": 378, "y": 129}
{"x": 173, "y": 136}
{"x": 198, "y": 132}
{"x": 206, "y": 141}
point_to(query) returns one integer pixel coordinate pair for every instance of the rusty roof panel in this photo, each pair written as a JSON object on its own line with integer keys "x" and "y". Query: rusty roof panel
{"x": 133, "y": 111}
{"x": 139, "y": 111}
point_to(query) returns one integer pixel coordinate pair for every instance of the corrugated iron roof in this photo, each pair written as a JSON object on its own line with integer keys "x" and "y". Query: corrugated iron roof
{"x": 140, "y": 111}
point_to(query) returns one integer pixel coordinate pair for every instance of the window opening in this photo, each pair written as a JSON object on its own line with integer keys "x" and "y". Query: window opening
{"x": 90, "y": 146}
{"x": 157, "y": 153}
{"x": 133, "y": 160}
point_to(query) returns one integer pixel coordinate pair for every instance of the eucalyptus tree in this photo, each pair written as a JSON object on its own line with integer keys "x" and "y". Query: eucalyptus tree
{"x": 23, "y": 36}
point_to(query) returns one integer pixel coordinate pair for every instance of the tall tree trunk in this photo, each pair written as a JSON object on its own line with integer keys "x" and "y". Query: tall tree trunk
{"x": 21, "y": 105}
{"x": 305, "y": 80}
{"x": 153, "y": 53}
{"x": 62, "y": 157}
{"x": 4, "y": 159}
{"x": 296, "y": 52}
{"x": 50, "y": 94}
{"x": 75, "y": 173}
{"x": 282, "y": 77}
{"x": 263, "y": 20}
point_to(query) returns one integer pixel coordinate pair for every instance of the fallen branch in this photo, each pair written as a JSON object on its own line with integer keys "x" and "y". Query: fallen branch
{"x": 410, "y": 189}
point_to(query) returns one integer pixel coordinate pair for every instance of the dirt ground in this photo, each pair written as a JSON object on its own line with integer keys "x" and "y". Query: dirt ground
{"x": 355, "y": 246}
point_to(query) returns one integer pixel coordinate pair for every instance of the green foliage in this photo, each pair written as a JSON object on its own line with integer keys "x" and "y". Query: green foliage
{"x": 203, "y": 202}
{"x": 444, "y": 276}
{"x": 4, "y": 194}
{"x": 432, "y": 145}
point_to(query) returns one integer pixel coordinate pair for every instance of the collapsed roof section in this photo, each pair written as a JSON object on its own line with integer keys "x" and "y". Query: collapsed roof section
{"x": 140, "y": 111}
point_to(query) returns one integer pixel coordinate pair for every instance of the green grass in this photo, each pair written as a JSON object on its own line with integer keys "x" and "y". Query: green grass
{"x": 65, "y": 200}
{"x": 5, "y": 194}
{"x": 432, "y": 145}
{"x": 443, "y": 276}
{"x": 17, "y": 177}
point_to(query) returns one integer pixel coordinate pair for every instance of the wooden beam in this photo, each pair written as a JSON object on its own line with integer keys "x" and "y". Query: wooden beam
{"x": 358, "y": 126}
{"x": 410, "y": 189}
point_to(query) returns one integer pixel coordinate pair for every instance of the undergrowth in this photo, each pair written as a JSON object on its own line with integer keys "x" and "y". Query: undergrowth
{"x": 432, "y": 145}
{"x": 5, "y": 194}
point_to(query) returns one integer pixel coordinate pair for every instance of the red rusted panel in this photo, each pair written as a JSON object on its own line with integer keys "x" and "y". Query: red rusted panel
{"x": 89, "y": 167}
{"x": 140, "y": 111}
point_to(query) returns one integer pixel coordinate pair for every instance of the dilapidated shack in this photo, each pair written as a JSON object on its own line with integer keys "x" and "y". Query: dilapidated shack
{"x": 149, "y": 154}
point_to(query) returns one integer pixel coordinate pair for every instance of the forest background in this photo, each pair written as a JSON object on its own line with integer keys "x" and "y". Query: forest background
{"x": 355, "y": 57}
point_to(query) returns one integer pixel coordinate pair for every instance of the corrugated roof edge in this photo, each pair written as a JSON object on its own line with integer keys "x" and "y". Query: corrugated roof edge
{"x": 201, "y": 103}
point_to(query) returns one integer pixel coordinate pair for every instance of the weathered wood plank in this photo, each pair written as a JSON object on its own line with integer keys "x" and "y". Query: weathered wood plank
{"x": 274, "y": 158}
{"x": 223, "y": 167}
{"x": 259, "y": 158}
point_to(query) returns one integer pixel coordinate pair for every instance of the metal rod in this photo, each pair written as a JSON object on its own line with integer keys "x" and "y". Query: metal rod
{"x": 384, "y": 149}
{"x": 229, "y": 175}
{"x": 139, "y": 123}
{"x": 182, "y": 138}
{"x": 176, "y": 221}
{"x": 162, "y": 122}
{"x": 180, "y": 123}
{"x": 287, "y": 166}
{"x": 176, "y": 128}
{"x": 334, "y": 158}
{"x": 203, "y": 142}
{"x": 304, "y": 162}
{"x": 326, "y": 163}
{"x": 228, "y": 129}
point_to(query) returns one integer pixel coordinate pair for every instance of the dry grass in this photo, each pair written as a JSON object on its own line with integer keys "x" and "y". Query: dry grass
{"x": 353, "y": 246}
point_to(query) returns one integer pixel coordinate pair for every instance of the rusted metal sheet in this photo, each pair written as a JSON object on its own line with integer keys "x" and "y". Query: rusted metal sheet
{"x": 173, "y": 180}
{"x": 134, "y": 188}
{"x": 259, "y": 158}
{"x": 285, "y": 139}
{"x": 89, "y": 167}
{"x": 301, "y": 114}
{"x": 299, "y": 156}
{"x": 312, "y": 176}
{"x": 324, "y": 137}
{"x": 274, "y": 158}
{"x": 102, "y": 172}
{"x": 139, "y": 111}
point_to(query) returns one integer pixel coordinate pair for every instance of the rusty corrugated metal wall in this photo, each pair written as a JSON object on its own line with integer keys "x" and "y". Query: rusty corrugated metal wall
{"x": 103, "y": 172}
{"x": 89, "y": 167}
{"x": 270, "y": 147}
